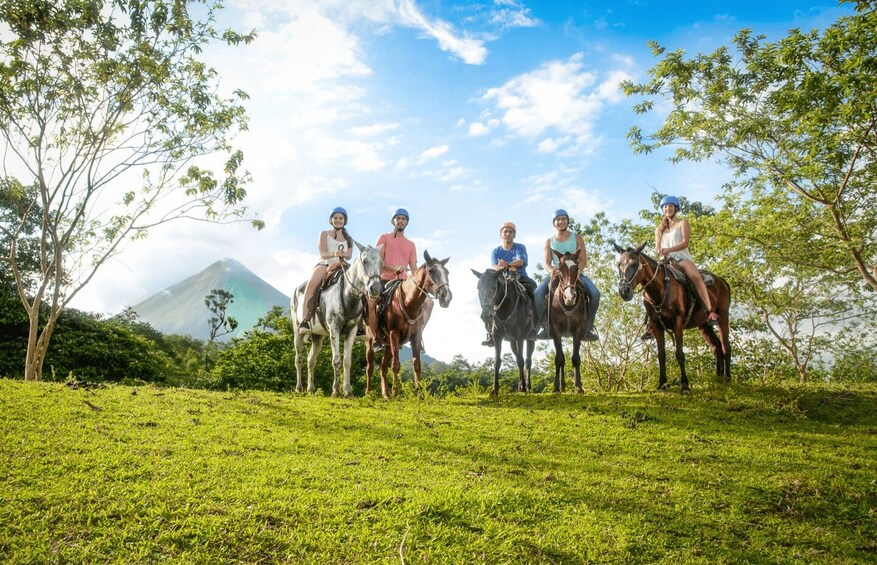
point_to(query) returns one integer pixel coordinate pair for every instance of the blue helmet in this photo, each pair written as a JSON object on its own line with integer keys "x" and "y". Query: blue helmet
{"x": 339, "y": 210}
{"x": 560, "y": 212}
{"x": 670, "y": 200}
{"x": 401, "y": 212}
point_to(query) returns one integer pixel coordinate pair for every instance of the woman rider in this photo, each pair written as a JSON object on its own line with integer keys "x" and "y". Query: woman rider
{"x": 671, "y": 238}
{"x": 335, "y": 245}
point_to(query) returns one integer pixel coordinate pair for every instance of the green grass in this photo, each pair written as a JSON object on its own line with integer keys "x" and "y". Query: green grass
{"x": 727, "y": 475}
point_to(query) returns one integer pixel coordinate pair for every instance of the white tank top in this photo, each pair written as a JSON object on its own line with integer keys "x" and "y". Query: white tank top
{"x": 333, "y": 245}
{"x": 671, "y": 238}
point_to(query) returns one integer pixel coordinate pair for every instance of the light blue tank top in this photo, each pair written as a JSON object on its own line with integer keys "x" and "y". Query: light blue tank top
{"x": 568, "y": 246}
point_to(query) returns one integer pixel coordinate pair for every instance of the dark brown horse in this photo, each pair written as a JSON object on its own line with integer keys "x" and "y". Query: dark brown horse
{"x": 567, "y": 311}
{"x": 405, "y": 318}
{"x": 506, "y": 303}
{"x": 671, "y": 306}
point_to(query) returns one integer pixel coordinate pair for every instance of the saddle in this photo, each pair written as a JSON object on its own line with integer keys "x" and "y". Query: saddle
{"x": 387, "y": 295}
{"x": 707, "y": 277}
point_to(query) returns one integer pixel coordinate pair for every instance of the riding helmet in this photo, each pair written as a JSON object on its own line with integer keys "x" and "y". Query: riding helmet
{"x": 339, "y": 210}
{"x": 508, "y": 225}
{"x": 670, "y": 200}
{"x": 400, "y": 212}
{"x": 560, "y": 212}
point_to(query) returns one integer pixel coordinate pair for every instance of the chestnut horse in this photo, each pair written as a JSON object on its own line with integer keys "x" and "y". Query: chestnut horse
{"x": 671, "y": 306}
{"x": 405, "y": 318}
{"x": 567, "y": 311}
{"x": 505, "y": 301}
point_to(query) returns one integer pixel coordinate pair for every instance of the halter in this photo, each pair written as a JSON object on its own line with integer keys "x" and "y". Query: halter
{"x": 353, "y": 282}
{"x": 420, "y": 314}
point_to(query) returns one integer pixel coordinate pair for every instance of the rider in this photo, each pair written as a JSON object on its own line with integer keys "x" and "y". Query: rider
{"x": 565, "y": 241}
{"x": 399, "y": 255}
{"x": 511, "y": 256}
{"x": 671, "y": 239}
{"x": 335, "y": 246}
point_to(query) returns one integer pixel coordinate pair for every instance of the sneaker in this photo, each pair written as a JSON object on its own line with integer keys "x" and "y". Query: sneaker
{"x": 488, "y": 342}
{"x": 543, "y": 334}
{"x": 591, "y": 336}
{"x": 377, "y": 346}
{"x": 304, "y": 327}
{"x": 647, "y": 336}
{"x": 712, "y": 319}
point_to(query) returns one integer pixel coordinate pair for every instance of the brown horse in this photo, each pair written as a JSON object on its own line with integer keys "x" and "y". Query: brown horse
{"x": 567, "y": 311}
{"x": 671, "y": 306}
{"x": 405, "y": 318}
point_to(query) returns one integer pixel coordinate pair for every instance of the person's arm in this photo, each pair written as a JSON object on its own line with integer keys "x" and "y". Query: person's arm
{"x": 520, "y": 261}
{"x": 658, "y": 233}
{"x": 583, "y": 255}
{"x": 348, "y": 252}
{"x": 549, "y": 258}
{"x": 323, "y": 246}
{"x": 412, "y": 259}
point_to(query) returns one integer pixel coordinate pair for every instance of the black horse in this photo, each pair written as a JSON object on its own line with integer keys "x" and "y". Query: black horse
{"x": 506, "y": 302}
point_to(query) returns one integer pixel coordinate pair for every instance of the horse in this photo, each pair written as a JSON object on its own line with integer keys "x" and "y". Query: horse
{"x": 567, "y": 312}
{"x": 337, "y": 315}
{"x": 671, "y": 306}
{"x": 504, "y": 300}
{"x": 405, "y": 317}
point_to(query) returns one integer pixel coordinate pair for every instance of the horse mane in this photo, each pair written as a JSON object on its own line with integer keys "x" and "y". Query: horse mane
{"x": 652, "y": 263}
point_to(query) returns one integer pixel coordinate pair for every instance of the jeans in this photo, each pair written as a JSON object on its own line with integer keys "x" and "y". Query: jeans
{"x": 593, "y": 303}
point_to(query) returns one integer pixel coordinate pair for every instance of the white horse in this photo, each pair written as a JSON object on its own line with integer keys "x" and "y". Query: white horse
{"x": 337, "y": 315}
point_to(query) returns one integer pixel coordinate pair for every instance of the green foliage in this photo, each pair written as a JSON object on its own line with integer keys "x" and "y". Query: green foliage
{"x": 90, "y": 92}
{"x": 795, "y": 121}
{"x": 728, "y": 475}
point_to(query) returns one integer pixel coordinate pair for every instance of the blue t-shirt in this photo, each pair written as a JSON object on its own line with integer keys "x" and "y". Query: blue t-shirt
{"x": 518, "y": 251}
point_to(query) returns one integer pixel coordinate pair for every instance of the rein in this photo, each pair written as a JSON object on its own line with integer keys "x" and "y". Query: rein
{"x": 421, "y": 312}
{"x": 497, "y": 307}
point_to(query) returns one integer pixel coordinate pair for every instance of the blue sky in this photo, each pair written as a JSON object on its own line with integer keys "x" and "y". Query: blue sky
{"x": 468, "y": 114}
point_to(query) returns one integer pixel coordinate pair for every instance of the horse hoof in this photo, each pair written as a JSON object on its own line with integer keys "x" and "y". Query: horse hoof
{"x": 686, "y": 391}
{"x": 334, "y": 394}
{"x": 580, "y": 390}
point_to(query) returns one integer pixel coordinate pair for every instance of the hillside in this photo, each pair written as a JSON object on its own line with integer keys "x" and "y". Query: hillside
{"x": 180, "y": 308}
{"x": 730, "y": 474}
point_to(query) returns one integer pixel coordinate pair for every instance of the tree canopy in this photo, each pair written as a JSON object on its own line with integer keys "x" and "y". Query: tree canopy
{"x": 111, "y": 126}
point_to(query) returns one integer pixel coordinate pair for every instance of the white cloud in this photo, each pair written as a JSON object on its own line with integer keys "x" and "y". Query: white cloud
{"x": 558, "y": 97}
{"x": 434, "y": 152}
{"x": 373, "y": 130}
{"x": 470, "y": 50}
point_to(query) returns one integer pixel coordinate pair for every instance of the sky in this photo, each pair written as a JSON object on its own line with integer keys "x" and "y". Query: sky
{"x": 467, "y": 114}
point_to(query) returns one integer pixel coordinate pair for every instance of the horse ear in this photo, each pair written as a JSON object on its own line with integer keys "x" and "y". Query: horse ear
{"x": 557, "y": 254}
{"x": 477, "y": 274}
{"x": 617, "y": 247}
{"x": 359, "y": 246}
{"x": 641, "y": 247}
{"x": 444, "y": 261}
{"x": 426, "y": 256}
{"x": 380, "y": 248}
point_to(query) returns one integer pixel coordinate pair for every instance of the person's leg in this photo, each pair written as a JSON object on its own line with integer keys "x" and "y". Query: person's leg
{"x": 308, "y": 305}
{"x": 694, "y": 276}
{"x": 541, "y": 310}
{"x": 593, "y": 304}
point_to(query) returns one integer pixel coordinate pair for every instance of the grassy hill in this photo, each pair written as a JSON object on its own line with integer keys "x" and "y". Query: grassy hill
{"x": 727, "y": 475}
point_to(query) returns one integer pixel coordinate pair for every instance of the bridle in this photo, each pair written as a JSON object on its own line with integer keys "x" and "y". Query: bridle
{"x": 497, "y": 306}
{"x": 434, "y": 294}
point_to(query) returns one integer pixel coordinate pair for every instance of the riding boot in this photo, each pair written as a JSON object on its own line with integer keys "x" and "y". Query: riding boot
{"x": 489, "y": 341}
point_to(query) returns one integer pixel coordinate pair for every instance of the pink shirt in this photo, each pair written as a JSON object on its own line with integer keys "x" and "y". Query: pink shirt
{"x": 398, "y": 252}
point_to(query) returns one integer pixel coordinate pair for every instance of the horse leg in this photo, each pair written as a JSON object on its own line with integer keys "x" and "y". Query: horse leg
{"x": 394, "y": 352}
{"x": 334, "y": 343}
{"x": 725, "y": 340}
{"x": 369, "y": 365}
{"x": 385, "y": 361}
{"x": 316, "y": 346}
{"x": 577, "y": 362}
{"x": 348, "y": 354}
{"x": 531, "y": 344}
{"x": 559, "y": 361}
{"x": 709, "y": 336}
{"x": 660, "y": 342}
{"x": 298, "y": 342}
{"x": 497, "y": 361}
{"x": 415, "y": 361}
{"x": 680, "y": 358}
{"x": 518, "y": 350}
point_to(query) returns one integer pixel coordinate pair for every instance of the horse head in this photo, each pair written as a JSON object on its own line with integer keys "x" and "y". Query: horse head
{"x": 568, "y": 269}
{"x": 488, "y": 291}
{"x": 369, "y": 275}
{"x": 437, "y": 273}
{"x": 629, "y": 270}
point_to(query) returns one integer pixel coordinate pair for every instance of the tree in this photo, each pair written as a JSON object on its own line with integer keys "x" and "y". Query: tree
{"x": 221, "y": 323}
{"x": 798, "y": 116}
{"x": 108, "y": 119}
